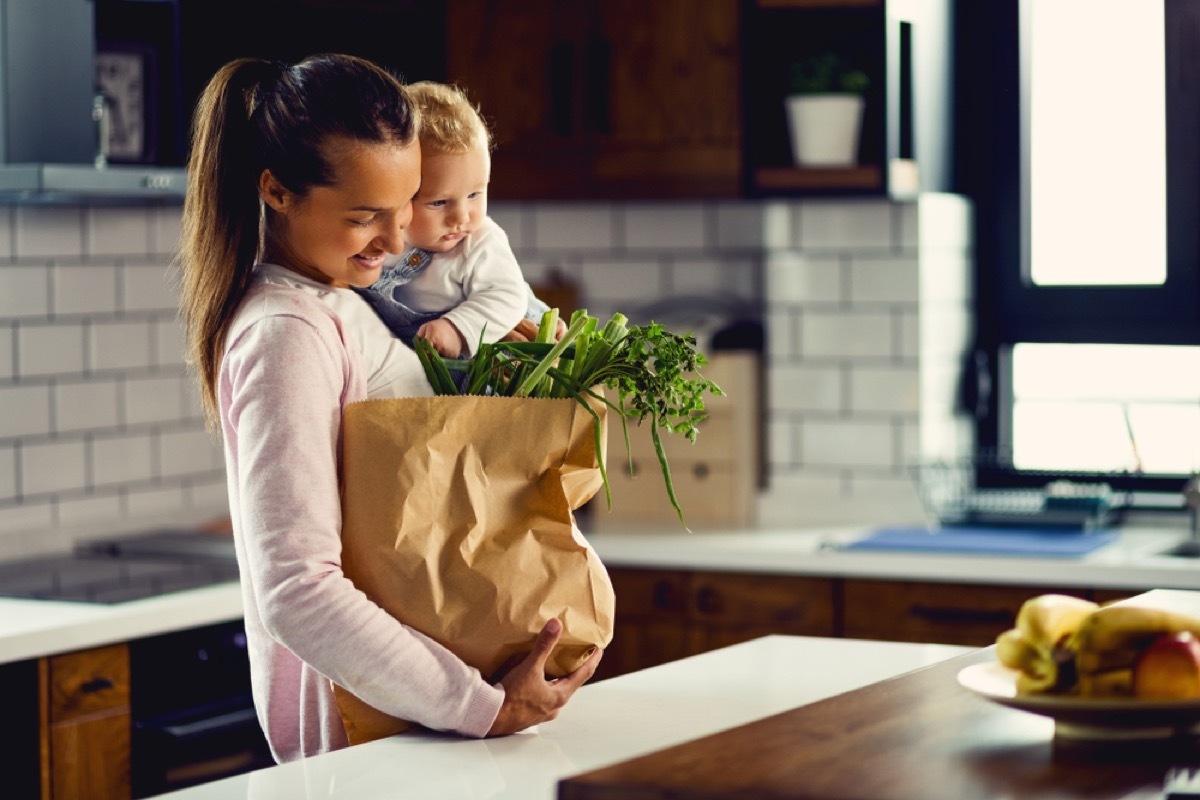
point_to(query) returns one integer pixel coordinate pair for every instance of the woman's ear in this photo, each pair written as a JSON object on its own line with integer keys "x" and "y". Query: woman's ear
{"x": 273, "y": 193}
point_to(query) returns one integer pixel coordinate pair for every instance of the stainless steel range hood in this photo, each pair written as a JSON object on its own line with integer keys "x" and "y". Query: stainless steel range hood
{"x": 81, "y": 183}
{"x": 49, "y": 139}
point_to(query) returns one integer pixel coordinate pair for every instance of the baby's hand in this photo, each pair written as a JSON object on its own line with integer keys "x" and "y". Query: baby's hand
{"x": 444, "y": 337}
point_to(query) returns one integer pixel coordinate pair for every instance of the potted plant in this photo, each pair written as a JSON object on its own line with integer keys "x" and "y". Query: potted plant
{"x": 824, "y": 110}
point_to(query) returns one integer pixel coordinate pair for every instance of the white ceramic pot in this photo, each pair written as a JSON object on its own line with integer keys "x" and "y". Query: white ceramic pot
{"x": 824, "y": 128}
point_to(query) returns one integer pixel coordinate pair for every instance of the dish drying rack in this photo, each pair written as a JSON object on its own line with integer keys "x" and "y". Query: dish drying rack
{"x": 960, "y": 494}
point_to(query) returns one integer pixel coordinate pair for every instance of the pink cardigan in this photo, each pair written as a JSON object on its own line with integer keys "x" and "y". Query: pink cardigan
{"x": 288, "y": 370}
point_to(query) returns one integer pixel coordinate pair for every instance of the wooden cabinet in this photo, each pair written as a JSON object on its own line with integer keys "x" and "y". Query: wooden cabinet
{"x": 665, "y": 615}
{"x": 904, "y": 611}
{"x": 603, "y": 98}
{"x": 84, "y": 697}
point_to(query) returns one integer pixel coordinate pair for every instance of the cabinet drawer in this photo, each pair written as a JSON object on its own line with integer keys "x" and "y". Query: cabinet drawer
{"x": 88, "y": 681}
{"x": 939, "y": 613}
{"x": 649, "y": 594}
{"x": 776, "y": 603}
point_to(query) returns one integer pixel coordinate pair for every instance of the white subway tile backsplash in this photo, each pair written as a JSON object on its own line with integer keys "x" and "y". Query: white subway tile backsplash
{"x": 846, "y": 443}
{"x": 165, "y": 224}
{"x": 782, "y": 445}
{"x": 665, "y": 226}
{"x": 884, "y": 279}
{"x": 7, "y": 355}
{"x": 24, "y": 291}
{"x": 796, "y": 278}
{"x": 84, "y": 289}
{"x": 86, "y": 405}
{"x": 122, "y": 458}
{"x": 627, "y": 283}
{"x": 120, "y": 345}
{"x": 885, "y": 389}
{"x": 845, "y": 225}
{"x": 6, "y": 231}
{"x": 49, "y": 349}
{"x": 783, "y": 344}
{"x": 156, "y": 501}
{"x": 155, "y": 399}
{"x": 807, "y": 388}
{"x": 574, "y": 227}
{"x": 23, "y": 525}
{"x": 701, "y": 276}
{"x": 24, "y": 411}
{"x": 849, "y": 334}
{"x": 55, "y": 466}
{"x": 89, "y": 511}
{"x": 117, "y": 231}
{"x": 148, "y": 287}
{"x": 511, "y": 217}
{"x": 907, "y": 344}
{"x": 49, "y": 231}
{"x": 740, "y": 226}
{"x": 188, "y": 451}
{"x": 169, "y": 342}
{"x": 8, "y": 472}
{"x": 209, "y": 495}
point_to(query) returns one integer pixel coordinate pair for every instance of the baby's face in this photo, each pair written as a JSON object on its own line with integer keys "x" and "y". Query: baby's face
{"x": 452, "y": 201}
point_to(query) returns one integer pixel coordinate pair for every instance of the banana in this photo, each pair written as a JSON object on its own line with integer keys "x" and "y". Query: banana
{"x": 1035, "y": 646}
{"x": 1115, "y": 632}
{"x": 1049, "y": 619}
{"x": 1113, "y": 683}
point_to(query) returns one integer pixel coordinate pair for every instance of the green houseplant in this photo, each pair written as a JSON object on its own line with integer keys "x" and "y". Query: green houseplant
{"x": 824, "y": 110}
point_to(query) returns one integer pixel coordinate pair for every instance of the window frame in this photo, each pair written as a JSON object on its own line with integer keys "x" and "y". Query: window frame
{"x": 990, "y": 169}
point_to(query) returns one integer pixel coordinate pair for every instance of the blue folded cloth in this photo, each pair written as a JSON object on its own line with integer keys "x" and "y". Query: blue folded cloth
{"x": 994, "y": 541}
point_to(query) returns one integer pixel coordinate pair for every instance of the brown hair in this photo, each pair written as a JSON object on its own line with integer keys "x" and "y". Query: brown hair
{"x": 257, "y": 115}
{"x": 450, "y": 122}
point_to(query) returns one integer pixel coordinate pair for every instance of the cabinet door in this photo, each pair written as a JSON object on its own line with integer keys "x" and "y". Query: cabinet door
{"x": 651, "y": 622}
{"x": 603, "y": 98}
{"x": 730, "y": 608}
{"x": 89, "y": 720}
{"x": 903, "y": 611}
{"x": 662, "y": 98}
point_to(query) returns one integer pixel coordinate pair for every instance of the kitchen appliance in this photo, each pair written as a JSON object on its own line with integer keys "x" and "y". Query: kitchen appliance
{"x": 192, "y": 713}
{"x": 117, "y": 570}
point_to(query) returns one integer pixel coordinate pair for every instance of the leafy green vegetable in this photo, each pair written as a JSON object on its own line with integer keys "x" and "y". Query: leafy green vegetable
{"x": 653, "y": 373}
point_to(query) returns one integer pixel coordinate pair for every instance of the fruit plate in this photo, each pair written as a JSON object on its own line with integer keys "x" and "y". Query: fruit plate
{"x": 1086, "y": 717}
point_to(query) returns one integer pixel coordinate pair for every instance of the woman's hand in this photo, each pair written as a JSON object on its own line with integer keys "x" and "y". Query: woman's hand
{"x": 529, "y": 698}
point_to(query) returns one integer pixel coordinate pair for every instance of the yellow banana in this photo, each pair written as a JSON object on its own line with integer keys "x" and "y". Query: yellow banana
{"x": 1048, "y": 619}
{"x": 1113, "y": 632}
{"x": 1113, "y": 683}
{"x": 1034, "y": 646}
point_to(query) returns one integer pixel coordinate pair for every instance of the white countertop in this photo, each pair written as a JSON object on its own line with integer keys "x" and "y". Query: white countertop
{"x": 34, "y": 628}
{"x": 604, "y": 723}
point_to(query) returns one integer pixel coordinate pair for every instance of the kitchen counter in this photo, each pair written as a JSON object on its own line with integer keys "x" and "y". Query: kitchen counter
{"x": 1133, "y": 561}
{"x": 34, "y": 628}
{"x": 604, "y": 723}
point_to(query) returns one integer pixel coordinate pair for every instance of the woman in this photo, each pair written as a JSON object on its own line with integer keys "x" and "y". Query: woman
{"x": 300, "y": 179}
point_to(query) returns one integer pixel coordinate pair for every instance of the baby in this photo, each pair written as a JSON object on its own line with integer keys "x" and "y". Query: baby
{"x": 458, "y": 283}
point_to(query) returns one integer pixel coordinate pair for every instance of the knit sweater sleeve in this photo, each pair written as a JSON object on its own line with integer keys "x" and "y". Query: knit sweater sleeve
{"x": 284, "y": 381}
{"x": 495, "y": 295}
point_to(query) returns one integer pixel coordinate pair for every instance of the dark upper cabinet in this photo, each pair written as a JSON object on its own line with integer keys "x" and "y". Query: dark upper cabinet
{"x": 604, "y": 98}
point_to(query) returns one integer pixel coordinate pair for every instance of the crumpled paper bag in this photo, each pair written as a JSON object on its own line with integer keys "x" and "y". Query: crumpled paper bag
{"x": 457, "y": 520}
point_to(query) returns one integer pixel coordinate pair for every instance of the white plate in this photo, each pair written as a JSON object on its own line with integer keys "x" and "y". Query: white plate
{"x": 1082, "y": 717}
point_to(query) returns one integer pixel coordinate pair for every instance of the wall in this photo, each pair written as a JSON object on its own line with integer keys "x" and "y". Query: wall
{"x": 100, "y": 428}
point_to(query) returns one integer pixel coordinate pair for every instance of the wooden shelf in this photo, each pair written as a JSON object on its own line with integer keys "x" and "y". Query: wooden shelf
{"x": 863, "y": 176}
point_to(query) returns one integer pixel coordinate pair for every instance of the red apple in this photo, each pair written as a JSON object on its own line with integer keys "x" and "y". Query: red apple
{"x": 1169, "y": 669}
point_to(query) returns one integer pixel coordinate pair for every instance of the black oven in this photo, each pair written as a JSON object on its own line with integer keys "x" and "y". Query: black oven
{"x": 193, "y": 717}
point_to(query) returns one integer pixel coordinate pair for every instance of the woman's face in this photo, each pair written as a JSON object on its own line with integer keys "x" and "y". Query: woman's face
{"x": 339, "y": 234}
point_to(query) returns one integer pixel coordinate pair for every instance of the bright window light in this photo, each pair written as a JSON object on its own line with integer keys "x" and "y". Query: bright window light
{"x": 1106, "y": 408}
{"x": 1097, "y": 127}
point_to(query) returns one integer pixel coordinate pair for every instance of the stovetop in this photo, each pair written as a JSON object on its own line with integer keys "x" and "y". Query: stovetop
{"x": 126, "y": 568}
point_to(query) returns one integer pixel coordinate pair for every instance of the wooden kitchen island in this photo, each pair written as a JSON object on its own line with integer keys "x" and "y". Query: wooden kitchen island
{"x": 917, "y": 737}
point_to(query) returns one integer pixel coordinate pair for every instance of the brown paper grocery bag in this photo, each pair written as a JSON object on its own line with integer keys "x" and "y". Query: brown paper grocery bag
{"x": 457, "y": 521}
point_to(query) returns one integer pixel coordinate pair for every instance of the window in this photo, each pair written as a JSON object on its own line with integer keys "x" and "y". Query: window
{"x": 1078, "y": 136}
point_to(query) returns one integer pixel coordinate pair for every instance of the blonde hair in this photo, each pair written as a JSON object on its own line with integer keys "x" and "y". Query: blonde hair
{"x": 257, "y": 115}
{"x": 450, "y": 122}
